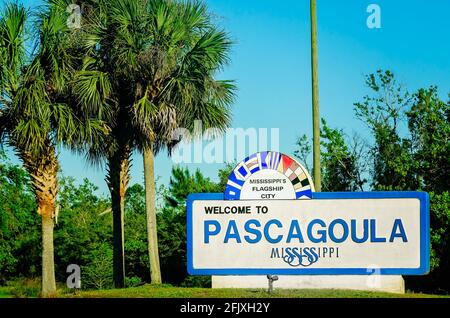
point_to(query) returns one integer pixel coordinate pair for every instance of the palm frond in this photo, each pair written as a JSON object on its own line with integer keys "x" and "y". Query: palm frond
{"x": 54, "y": 45}
{"x": 210, "y": 53}
{"x": 12, "y": 46}
{"x": 3, "y": 128}
{"x": 29, "y": 134}
{"x": 92, "y": 88}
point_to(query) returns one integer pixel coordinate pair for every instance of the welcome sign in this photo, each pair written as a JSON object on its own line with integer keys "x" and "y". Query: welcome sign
{"x": 311, "y": 234}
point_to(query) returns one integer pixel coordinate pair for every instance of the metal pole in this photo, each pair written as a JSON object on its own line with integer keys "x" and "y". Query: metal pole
{"x": 315, "y": 98}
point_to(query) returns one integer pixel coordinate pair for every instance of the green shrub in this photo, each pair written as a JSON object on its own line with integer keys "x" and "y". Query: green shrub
{"x": 19, "y": 224}
{"x": 438, "y": 280}
{"x": 197, "y": 281}
{"x": 98, "y": 274}
{"x": 24, "y": 288}
{"x": 133, "y": 281}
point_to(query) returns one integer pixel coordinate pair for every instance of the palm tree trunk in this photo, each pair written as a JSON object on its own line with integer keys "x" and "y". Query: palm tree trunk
{"x": 117, "y": 179}
{"x": 48, "y": 262}
{"x": 43, "y": 173}
{"x": 150, "y": 207}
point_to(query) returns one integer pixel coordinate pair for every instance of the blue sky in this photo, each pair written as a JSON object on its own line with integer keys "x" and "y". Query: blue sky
{"x": 270, "y": 63}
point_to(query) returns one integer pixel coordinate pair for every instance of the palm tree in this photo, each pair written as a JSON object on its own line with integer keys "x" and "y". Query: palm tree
{"x": 33, "y": 118}
{"x": 207, "y": 100}
{"x": 159, "y": 59}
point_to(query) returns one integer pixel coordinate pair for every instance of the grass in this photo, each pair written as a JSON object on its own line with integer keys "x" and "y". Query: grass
{"x": 4, "y": 292}
{"x": 151, "y": 291}
{"x": 21, "y": 288}
{"x": 167, "y": 291}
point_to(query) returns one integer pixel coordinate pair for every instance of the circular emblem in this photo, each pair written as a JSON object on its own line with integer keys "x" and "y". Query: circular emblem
{"x": 269, "y": 175}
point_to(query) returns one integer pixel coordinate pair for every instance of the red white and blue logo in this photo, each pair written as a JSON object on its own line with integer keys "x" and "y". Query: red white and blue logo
{"x": 269, "y": 175}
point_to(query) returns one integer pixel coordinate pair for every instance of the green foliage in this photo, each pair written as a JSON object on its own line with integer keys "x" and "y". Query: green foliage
{"x": 136, "y": 259}
{"x": 223, "y": 175}
{"x": 303, "y": 151}
{"x": 153, "y": 65}
{"x": 36, "y": 114}
{"x": 418, "y": 161}
{"x": 440, "y": 234}
{"x": 393, "y": 167}
{"x": 409, "y": 150}
{"x": 133, "y": 281}
{"x": 172, "y": 223}
{"x": 33, "y": 86}
{"x": 172, "y": 244}
{"x": 429, "y": 124}
{"x": 24, "y": 288}
{"x": 164, "y": 291}
{"x": 197, "y": 281}
{"x": 82, "y": 229}
{"x": 182, "y": 183}
{"x": 342, "y": 162}
{"x": 97, "y": 273}
{"x": 19, "y": 226}
{"x": 83, "y": 235}
{"x": 438, "y": 280}
{"x": 340, "y": 167}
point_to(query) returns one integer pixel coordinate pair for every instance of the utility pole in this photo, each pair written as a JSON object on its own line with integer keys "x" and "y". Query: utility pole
{"x": 315, "y": 98}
